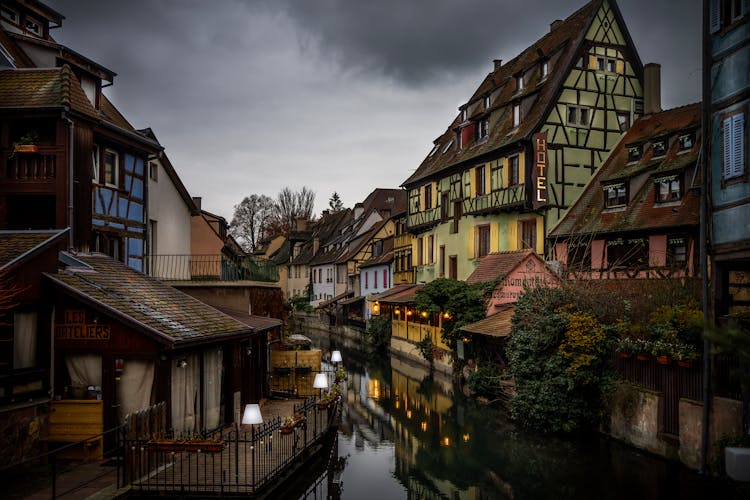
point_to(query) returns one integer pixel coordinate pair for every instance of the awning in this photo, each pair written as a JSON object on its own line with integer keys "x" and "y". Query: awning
{"x": 353, "y": 300}
{"x": 329, "y": 302}
{"x": 495, "y": 325}
{"x": 404, "y": 296}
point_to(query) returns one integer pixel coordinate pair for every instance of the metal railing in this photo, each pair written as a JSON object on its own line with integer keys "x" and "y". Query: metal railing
{"x": 214, "y": 267}
{"x": 243, "y": 461}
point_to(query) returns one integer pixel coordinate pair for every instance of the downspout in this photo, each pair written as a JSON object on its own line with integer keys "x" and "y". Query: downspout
{"x": 70, "y": 179}
{"x": 705, "y": 183}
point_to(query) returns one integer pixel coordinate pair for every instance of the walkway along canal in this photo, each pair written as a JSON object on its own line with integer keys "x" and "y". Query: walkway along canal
{"x": 407, "y": 434}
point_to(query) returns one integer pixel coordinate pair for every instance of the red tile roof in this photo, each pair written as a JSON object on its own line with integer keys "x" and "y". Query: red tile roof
{"x": 559, "y": 46}
{"x": 588, "y": 215}
{"x": 15, "y": 246}
{"x": 497, "y": 265}
{"x": 495, "y": 325}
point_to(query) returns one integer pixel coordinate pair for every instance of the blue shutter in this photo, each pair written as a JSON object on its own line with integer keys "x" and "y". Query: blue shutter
{"x": 715, "y": 16}
{"x": 738, "y": 144}
{"x": 727, "y": 148}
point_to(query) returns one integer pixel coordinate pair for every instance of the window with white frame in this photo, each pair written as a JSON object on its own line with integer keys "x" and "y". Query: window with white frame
{"x": 111, "y": 167}
{"x": 658, "y": 149}
{"x": 686, "y": 142}
{"x": 733, "y": 146}
{"x": 463, "y": 115}
{"x": 483, "y": 129}
{"x": 578, "y": 116}
{"x": 615, "y": 195}
{"x": 95, "y": 164}
{"x": 545, "y": 69}
{"x": 9, "y": 14}
{"x": 634, "y": 153}
{"x": 447, "y": 146}
{"x": 606, "y": 64}
{"x": 519, "y": 83}
{"x": 486, "y": 102}
{"x": 516, "y": 115}
{"x": 33, "y": 26}
{"x": 668, "y": 188}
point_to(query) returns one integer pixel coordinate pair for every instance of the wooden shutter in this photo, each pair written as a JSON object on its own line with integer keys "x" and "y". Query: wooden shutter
{"x": 512, "y": 235}
{"x": 620, "y": 67}
{"x": 473, "y": 183}
{"x": 738, "y": 145}
{"x": 494, "y": 236}
{"x": 540, "y": 235}
{"x": 715, "y": 16}
{"x": 470, "y": 240}
{"x": 434, "y": 194}
{"x": 727, "y": 148}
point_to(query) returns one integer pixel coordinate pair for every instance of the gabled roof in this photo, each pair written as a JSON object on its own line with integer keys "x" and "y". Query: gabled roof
{"x": 588, "y": 215}
{"x": 405, "y": 295}
{"x": 497, "y": 324}
{"x": 17, "y": 246}
{"x": 393, "y": 291}
{"x": 498, "y": 265}
{"x": 392, "y": 199}
{"x": 168, "y": 315}
{"x": 560, "y": 46}
{"x": 55, "y": 88}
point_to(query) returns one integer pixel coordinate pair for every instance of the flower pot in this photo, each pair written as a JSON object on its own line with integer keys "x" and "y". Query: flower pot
{"x": 642, "y": 356}
{"x": 685, "y": 363}
{"x": 25, "y": 148}
{"x": 664, "y": 360}
{"x": 286, "y": 429}
{"x": 626, "y": 355}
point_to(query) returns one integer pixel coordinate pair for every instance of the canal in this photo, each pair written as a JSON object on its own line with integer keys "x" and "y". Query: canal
{"x": 407, "y": 434}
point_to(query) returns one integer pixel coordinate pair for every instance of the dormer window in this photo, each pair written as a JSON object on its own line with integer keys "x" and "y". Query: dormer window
{"x": 544, "y": 69}
{"x": 447, "y": 146}
{"x": 659, "y": 149}
{"x": 667, "y": 189}
{"x": 516, "y": 115}
{"x": 482, "y": 129}
{"x": 486, "y": 102}
{"x": 615, "y": 195}
{"x": 459, "y": 141}
{"x": 377, "y": 248}
{"x": 686, "y": 142}
{"x": 33, "y": 26}
{"x": 9, "y": 14}
{"x": 519, "y": 83}
{"x": 634, "y": 153}
{"x": 434, "y": 150}
{"x": 463, "y": 115}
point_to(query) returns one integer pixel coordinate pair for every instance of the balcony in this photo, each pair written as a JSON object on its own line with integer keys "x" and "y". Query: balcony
{"x": 496, "y": 200}
{"x": 423, "y": 219}
{"x": 212, "y": 268}
{"x": 32, "y": 167}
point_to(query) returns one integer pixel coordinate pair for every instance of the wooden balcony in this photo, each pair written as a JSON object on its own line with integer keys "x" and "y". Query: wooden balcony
{"x": 423, "y": 219}
{"x": 496, "y": 201}
{"x": 30, "y": 167}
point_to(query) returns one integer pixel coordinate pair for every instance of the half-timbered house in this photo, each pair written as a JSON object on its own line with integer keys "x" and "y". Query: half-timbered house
{"x": 525, "y": 144}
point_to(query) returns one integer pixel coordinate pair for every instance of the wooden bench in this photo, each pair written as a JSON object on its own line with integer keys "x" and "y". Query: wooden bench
{"x": 74, "y": 420}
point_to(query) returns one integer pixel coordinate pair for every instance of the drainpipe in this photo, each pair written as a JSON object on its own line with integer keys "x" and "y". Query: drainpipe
{"x": 705, "y": 182}
{"x": 70, "y": 178}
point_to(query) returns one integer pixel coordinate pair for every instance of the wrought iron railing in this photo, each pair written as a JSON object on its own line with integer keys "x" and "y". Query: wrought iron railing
{"x": 215, "y": 267}
{"x": 247, "y": 459}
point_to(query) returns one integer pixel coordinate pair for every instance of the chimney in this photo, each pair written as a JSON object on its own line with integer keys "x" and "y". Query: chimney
{"x": 554, "y": 24}
{"x": 651, "y": 88}
{"x": 197, "y": 201}
{"x": 316, "y": 245}
{"x": 359, "y": 209}
{"x": 300, "y": 223}
{"x": 498, "y": 63}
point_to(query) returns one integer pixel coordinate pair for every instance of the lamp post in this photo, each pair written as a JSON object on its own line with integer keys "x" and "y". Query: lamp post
{"x": 250, "y": 416}
{"x": 320, "y": 382}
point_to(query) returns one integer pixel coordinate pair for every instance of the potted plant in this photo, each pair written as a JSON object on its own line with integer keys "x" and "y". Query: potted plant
{"x": 291, "y": 423}
{"x": 642, "y": 349}
{"x": 340, "y": 375}
{"x": 26, "y": 144}
{"x": 195, "y": 443}
{"x": 329, "y": 398}
{"x": 625, "y": 347}
{"x": 663, "y": 351}
{"x": 686, "y": 355}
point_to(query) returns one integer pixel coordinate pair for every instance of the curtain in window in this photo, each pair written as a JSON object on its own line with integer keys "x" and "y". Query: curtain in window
{"x": 212, "y": 378}
{"x": 24, "y": 340}
{"x": 84, "y": 370}
{"x": 134, "y": 387}
{"x": 185, "y": 396}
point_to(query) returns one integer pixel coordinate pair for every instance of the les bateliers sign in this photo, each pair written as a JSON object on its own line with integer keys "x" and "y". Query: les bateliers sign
{"x": 75, "y": 328}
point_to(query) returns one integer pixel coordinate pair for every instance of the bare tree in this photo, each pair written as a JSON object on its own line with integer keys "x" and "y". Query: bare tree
{"x": 252, "y": 221}
{"x": 291, "y": 205}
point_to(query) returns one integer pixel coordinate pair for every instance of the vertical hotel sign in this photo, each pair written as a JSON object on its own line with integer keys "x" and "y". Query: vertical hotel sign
{"x": 539, "y": 170}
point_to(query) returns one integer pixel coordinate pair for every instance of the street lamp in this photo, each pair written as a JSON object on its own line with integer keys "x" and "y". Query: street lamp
{"x": 250, "y": 416}
{"x": 320, "y": 382}
{"x": 336, "y": 357}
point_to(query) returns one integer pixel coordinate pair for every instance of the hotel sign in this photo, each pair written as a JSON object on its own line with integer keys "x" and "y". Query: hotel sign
{"x": 75, "y": 328}
{"x": 539, "y": 170}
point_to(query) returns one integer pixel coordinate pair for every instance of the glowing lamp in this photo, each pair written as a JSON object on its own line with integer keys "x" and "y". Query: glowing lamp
{"x": 252, "y": 415}
{"x": 336, "y": 357}
{"x": 424, "y": 314}
{"x": 320, "y": 381}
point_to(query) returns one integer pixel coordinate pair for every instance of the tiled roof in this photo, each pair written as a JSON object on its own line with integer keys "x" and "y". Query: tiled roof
{"x": 497, "y": 266}
{"x": 495, "y": 325}
{"x": 394, "y": 290}
{"x": 146, "y": 304}
{"x": 390, "y": 199}
{"x": 335, "y": 299}
{"x": 588, "y": 214}
{"x": 257, "y": 323}
{"x": 383, "y": 258}
{"x": 559, "y": 46}
{"x": 112, "y": 115}
{"x": 404, "y": 296}
{"x": 43, "y": 88}
{"x": 16, "y": 245}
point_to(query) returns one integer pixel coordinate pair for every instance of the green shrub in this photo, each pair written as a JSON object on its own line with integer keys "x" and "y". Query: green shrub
{"x": 378, "y": 333}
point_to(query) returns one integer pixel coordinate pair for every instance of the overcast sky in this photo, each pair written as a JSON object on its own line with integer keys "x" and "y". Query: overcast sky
{"x": 337, "y": 95}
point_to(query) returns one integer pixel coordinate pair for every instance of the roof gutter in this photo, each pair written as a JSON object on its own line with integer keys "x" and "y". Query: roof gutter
{"x": 71, "y": 181}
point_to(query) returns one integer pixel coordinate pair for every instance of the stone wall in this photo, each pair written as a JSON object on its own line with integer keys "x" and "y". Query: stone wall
{"x": 637, "y": 415}
{"x": 21, "y": 428}
{"x": 407, "y": 350}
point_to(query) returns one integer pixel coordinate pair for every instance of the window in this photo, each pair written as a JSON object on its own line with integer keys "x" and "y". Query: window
{"x": 615, "y": 195}
{"x": 95, "y": 164}
{"x": 377, "y": 248}
{"x": 496, "y": 176}
{"x": 453, "y": 267}
{"x": 444, "y": 207}
{"x": 33, "y": 26}
{"x": 463, "y": 115}
{"x": 420, "y": 251}
{"x": 623, "y": 120}
{"x": 544, "y": 69}
{"x": 486, "y": 102}
{"x": 457, "y": 207}
{"x": 153, "y": 236}
{"x": 441, "y": 263}
{"x": 676, "y": 251}
{"x": 658, "y": 149}
{"x": 9, "y": 14}
{"x": 447, "y": 146}
{"x": 516, "y": 115}
{"x": 479, "y": 180}
{"x": 153, "y": 171}
{"x": 431, "y": 249}
{"x": 111, "y": 167}
{"x": 374, "y": 279}
{"x": 519, "y": 83}
{"x": 606, "y": 64}
{"x": 578, "y": 116}
{"x": 428, "y": 197}
{"x": 733, "y": 143}
{"x": 528, "y": 234}
{"x": 686, "y": 142}
{"x": 483, "y": 129}
{"x": 459, "y": 141}
{"x": 579, "y": 255}
{"x": 579, "y": 62}
{"x": 634, "y": 153}
{"x": 631, "y": 253}
{"x": 482, "y": 240}
{"x": 513, "y": 171}
{"x": 24, "y": 339}
{"x": 668, "y": 189}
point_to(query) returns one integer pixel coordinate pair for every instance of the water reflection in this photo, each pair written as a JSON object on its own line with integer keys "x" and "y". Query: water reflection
{"x": 407, "y": 434}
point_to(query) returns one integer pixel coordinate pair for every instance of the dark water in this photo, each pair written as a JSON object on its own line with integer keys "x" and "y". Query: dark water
{"x": 406, "y": 434}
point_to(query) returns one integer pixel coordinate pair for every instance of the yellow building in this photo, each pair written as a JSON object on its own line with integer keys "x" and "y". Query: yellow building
{"x": 525, "y": 144}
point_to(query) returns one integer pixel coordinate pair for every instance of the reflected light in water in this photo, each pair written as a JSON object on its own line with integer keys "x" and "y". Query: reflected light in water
{"x": 446, "y": 441}
{"x": 424, "y": 426}
{"x": 466, "y": 437}
{"x": 408, "y": 414}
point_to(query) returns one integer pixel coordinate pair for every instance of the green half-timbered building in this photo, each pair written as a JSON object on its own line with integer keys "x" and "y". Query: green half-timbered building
{"x": 526, "y": 143}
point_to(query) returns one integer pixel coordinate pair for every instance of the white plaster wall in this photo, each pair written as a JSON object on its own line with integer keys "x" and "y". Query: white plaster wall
{"x": 171, "y": 213}
{"x": 325, "y": 290}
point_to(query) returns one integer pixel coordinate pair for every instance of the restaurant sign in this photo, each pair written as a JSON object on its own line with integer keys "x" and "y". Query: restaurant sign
{"x": 76, "y": 328}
